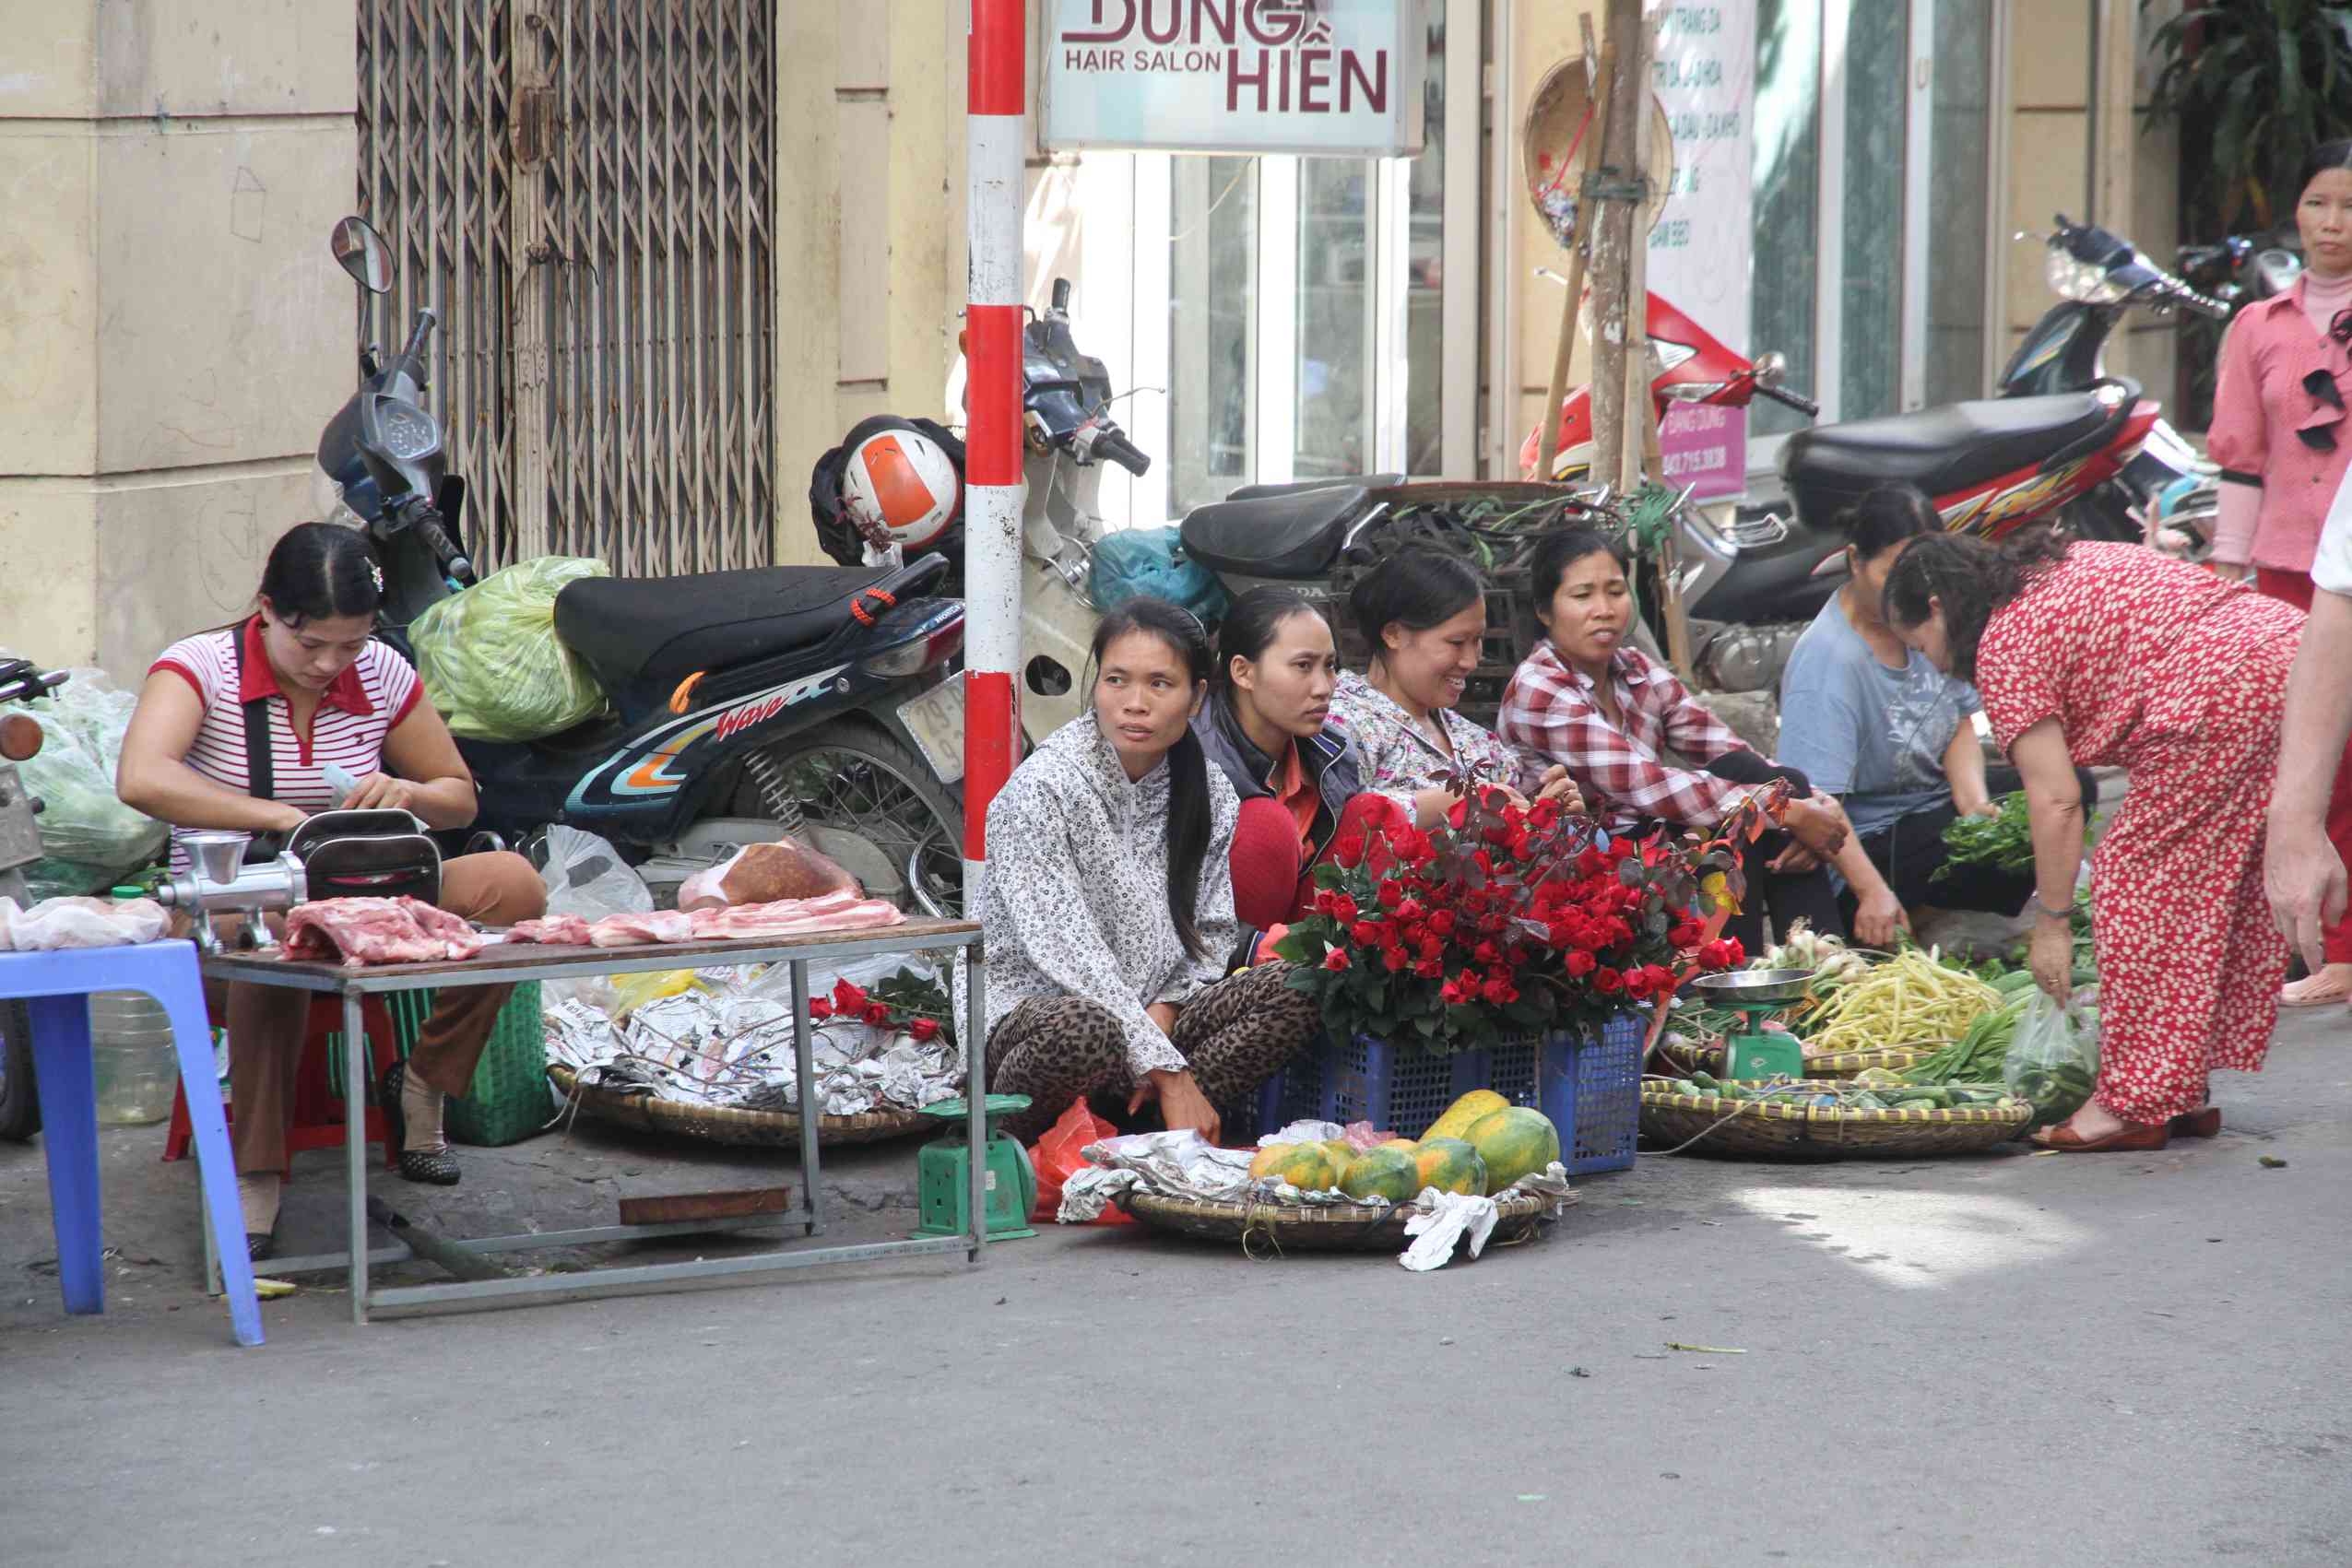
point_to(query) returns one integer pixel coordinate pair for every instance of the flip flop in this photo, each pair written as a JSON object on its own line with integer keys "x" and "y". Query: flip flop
{"x": 2134, "y": 1137}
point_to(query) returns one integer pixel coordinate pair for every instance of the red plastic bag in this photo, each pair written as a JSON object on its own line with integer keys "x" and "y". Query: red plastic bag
{"x": 1061, "y": 1153}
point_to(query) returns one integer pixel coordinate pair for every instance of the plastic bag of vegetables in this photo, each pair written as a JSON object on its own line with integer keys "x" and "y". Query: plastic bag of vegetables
{"x": 2053, "y": 1059}
{"x": 492, "y": 661}
{"x": 89, "y": 838}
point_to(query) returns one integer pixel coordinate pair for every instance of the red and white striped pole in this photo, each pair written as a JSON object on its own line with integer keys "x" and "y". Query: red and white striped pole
{"x": 998, "y": 140}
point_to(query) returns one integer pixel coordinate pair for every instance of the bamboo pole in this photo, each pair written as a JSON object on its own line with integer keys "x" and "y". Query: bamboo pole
{"x": 1564, "y": 355}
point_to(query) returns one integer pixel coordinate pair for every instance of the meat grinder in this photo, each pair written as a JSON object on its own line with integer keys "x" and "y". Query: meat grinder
{"x": 335, "y": 855}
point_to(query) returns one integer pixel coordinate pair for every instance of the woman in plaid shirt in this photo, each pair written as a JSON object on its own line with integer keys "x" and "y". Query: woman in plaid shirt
{"x": 1610, "y": 714}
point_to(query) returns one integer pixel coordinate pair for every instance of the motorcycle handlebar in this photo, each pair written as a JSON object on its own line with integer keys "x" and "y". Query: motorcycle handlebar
{"x": 446, "y": 552}
{"x": 1796, "y": 400}
{"x": 426, "y": 320}
{"x": 1115, "y": 446}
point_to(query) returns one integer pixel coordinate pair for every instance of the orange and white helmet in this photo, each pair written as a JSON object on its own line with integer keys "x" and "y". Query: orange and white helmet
{"x": 900, "y": 488}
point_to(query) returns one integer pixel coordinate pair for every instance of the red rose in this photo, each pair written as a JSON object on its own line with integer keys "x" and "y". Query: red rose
{"x": 1488, "y": 954}
{"x": 848, "y": 998}
{"x": 1342, "y": 908}
{"x": 1395, "y": 958}
{"x": 1390, "y": 895}
{"x": 1349, "y": 851}
{"x": 1408, "y": 910}
{"x": 1442, "y": 923}
{"x": 1336, "y": 960}
{"x": 924, "y": 1029}
{"x": 1687, "y": 935}
{"x": 1430, "y": 968}
{"x": 1522, "y": 847}
{"x": 1581, "y": 963}
{"x": 1457, "y": 813}
{"x": 1485, "y": 861}
{"x": 1499, "y": 990}
{"x": 877, "y": 1014}
{"x": 1662, "y": 980}
{"x": 1637, "y": 984}
{"x": 1432, "y": 945}
{"x": 821, "y": 1007}
{"x": 1493, "y": 924}
{"x": 1544, "y": 813}
{"x": 1608, "y": 982}
{"x": 1452, "y": 994}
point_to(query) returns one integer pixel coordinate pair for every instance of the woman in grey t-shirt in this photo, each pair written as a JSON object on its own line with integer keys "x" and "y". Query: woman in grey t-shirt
{"x": 1876, "y": 723}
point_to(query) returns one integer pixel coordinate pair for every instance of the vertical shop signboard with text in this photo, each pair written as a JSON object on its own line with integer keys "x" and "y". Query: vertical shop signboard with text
{"x": 1700, "y": 252}
{"x": 1339, "y": 77}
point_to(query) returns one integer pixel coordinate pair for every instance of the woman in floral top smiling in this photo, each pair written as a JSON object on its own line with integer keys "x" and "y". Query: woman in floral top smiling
{"x": 1425, "y": 613}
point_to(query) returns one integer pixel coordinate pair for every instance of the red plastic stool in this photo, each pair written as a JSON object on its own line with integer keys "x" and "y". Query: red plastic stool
{"x": 318, "y": 1120}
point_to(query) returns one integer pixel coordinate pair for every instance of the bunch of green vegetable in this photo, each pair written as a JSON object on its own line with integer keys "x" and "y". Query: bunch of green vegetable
{"x": 1869, "y": 1092}
{"x": 2005, "y": 842}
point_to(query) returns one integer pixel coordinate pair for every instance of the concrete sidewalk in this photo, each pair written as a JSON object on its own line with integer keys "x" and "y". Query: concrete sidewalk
{"x": 2084, "y": 1360}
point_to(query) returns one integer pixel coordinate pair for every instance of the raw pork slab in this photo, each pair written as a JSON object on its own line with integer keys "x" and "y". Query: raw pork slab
{"x": 638, "y": 930}
{"x": 359, "y": 932}
{"x": 554, "y": 930}
{"x": 789, "y": 917}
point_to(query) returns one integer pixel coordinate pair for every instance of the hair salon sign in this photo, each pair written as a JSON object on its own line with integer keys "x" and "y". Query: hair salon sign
{"x": 1336, "y": 77}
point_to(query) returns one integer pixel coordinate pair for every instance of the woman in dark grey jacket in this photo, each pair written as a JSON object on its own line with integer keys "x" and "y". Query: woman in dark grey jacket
{"x": 1300, "y": 781}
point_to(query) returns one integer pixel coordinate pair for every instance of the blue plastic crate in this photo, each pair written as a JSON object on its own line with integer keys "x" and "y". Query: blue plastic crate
{"x": 1590, "y": 1089}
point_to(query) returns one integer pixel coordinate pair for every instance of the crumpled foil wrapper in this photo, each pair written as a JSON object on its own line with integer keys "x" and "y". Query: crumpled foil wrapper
{"x": 733, "y": 1046}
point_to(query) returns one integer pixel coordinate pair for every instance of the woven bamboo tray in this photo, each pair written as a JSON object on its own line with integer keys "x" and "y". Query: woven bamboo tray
{"x": 1844, "y": 1064}
{"x": 1343, "y": 1227}
{"x": 725, "y": 1123}
{"x": 1770, "y": 1131}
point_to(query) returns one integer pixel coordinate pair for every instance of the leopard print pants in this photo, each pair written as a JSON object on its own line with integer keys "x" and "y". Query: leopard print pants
{"x": 1234, "y": 1036}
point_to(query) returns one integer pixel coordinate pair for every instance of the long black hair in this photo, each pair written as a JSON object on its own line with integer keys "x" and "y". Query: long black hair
{"x": 1253, "y": 621}
{"x": 1888, "y": 516}
{"x": 1560, "y": 550}
{"x": 321, "y": 571}
{"x": 1188, "y": 816}
{"x": 1971, "y": 579}
{"x": 1417, "y": 588}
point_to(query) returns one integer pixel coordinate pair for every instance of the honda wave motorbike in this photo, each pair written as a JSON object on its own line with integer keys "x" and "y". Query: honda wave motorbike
{"x": 746, "y": 705}
{"x": 2058, "y": 444}
{"x": 20, "y": 739}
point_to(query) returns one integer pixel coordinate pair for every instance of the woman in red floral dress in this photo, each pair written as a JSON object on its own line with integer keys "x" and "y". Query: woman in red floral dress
{"x": 2112, "y": 656}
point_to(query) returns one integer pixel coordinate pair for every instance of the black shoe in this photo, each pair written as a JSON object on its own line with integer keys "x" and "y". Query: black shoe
{"x": 260, "y": 1244}
{"x": 432, "y": 1166}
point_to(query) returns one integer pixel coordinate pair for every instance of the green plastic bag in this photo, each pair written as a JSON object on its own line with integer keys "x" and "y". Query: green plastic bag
{"x": 492, "y": 661}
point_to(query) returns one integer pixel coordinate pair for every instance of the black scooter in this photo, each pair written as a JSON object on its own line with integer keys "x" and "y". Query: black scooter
{"x": 746, "y": 703}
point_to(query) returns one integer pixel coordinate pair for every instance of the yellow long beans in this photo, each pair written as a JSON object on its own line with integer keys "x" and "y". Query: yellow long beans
{"x": 1909, "y": 1000}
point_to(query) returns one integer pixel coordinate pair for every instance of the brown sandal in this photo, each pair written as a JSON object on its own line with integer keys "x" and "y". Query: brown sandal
{"x": 2134, "y": 1137}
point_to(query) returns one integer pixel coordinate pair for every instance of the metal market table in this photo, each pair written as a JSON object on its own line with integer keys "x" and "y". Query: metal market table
{"x": 507, "y": 964}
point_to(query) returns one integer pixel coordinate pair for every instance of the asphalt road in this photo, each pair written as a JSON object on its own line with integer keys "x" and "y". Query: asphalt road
{"x": 2130, "y": 1360}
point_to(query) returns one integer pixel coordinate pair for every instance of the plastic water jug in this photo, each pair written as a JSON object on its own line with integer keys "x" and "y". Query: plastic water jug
{"x": 130, "y": 1045}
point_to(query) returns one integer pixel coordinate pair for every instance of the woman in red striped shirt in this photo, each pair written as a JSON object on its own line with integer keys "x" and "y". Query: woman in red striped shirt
{"x": 340, "y": 707}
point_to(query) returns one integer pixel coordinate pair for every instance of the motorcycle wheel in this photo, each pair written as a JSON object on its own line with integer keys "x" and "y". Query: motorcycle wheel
{"x": 856, "y": 779}
{"x": 19, "y": 1096}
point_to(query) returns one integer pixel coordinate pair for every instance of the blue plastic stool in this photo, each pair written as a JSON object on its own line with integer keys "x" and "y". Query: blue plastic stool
{"x": 56, "y": 988}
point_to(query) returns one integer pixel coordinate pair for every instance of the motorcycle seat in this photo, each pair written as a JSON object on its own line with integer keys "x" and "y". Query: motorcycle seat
{"x": 1286, "y": 533}
{"x": 1940, "y": 450}
{"x": 649, "y": 633}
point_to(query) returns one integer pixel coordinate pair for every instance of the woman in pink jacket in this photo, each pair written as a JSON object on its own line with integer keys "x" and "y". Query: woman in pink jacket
{"x": 2283, "y": 442}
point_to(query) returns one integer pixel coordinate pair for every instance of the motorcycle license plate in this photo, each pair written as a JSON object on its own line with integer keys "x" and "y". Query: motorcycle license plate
{"x": 936, "y": 721}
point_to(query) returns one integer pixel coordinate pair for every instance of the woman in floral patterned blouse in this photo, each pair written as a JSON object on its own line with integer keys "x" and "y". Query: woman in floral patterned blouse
{"x": 1425, "y": 613}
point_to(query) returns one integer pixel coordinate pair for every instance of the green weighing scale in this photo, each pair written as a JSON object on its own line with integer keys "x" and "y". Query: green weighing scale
{"x": 943, "y": 1185}
{"x": 1756, "y": 994}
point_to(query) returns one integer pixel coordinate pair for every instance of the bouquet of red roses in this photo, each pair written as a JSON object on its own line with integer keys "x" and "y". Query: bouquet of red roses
{"x": 1509, "y": 920}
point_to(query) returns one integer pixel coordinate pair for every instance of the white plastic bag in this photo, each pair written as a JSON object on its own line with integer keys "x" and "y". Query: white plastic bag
{"x": 55, "y": 924}
{"x": 587, "y": 876}
{"x": 2053, "y": 1061}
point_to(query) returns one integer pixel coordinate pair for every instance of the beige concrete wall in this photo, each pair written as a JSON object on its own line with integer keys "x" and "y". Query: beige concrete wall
{"x": 175, "y": 330}
{"x": 2056, "y": 158}
{"x": 869, "y": 226}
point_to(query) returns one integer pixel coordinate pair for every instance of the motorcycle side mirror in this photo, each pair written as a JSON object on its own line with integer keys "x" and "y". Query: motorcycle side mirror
{"x": 361, "y": 251}
{"x": 20, "y": 737}
{"x": 1772, "y": 367}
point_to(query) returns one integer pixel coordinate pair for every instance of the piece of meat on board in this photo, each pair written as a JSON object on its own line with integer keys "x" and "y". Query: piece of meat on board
{"x": 789, "y": 917}
{"x": 554, "y": 930}
{"x": 359, "y": 932}
{"x": 637, "y": 930}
